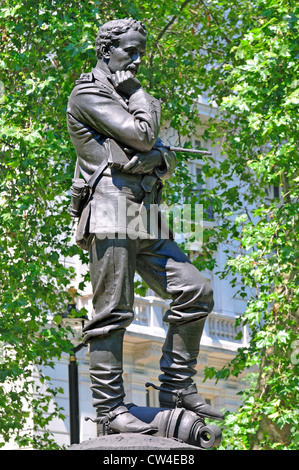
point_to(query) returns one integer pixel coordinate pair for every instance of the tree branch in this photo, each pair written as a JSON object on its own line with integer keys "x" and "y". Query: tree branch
{"x": 167, "y": 26}
{"x": 215, "y": 19}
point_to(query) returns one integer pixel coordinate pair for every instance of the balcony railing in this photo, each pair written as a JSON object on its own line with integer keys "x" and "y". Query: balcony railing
{"x": 219, "y": 329}
{"x": 223, "y": 329}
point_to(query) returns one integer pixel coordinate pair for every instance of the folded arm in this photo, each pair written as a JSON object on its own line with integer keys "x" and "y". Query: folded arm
{"x": 136, "y": 127}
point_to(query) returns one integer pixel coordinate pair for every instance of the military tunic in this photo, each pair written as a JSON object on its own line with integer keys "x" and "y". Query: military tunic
{"x": 101, "y": 124}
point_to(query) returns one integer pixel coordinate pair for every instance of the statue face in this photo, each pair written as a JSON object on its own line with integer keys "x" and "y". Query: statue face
{"x": 128, "y": 54}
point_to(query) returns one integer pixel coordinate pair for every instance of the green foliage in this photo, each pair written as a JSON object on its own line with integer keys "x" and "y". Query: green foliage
{"x": 262, "y": 144}
{"x": 35, "y": 227}
{"x": 245, "y": 56}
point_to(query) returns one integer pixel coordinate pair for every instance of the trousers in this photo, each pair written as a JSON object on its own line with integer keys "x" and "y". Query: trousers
{"x": 165, "y": 268}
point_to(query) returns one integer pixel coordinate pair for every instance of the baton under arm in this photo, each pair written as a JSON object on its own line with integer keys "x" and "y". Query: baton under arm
{"x": 181, "y": 149}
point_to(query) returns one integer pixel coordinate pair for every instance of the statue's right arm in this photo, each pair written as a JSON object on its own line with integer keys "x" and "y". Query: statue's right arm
{"x": 136, "y": 127}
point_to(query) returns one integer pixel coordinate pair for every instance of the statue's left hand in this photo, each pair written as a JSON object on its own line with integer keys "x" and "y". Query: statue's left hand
{"x": 145, "y": 162}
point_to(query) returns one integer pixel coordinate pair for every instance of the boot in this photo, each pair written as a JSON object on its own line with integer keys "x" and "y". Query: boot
{"x": 106, "y": 359}
{"x": 179, "y": 357}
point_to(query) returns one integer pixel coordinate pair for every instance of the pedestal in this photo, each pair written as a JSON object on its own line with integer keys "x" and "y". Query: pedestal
{"x": 132, "y": 442}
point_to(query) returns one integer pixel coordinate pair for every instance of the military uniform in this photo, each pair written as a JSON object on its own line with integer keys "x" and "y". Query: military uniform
{"x": 102, "y": 123}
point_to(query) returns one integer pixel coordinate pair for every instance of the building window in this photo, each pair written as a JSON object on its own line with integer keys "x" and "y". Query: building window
{"x": 272, "y": 192}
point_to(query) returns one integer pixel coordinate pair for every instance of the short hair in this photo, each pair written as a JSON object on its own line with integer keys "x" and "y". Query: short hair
{"x": 109, "y": 33}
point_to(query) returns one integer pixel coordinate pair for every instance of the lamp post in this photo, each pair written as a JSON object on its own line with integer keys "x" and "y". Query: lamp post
{"x": 71, "y": 318}
{"x": 74, "y": 396}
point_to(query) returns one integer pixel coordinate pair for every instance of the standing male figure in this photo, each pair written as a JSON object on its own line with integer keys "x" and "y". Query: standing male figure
{"x": 111, "y": 118}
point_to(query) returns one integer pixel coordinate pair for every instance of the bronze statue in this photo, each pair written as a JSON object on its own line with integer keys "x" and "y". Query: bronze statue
{"x": 114, "y": 125}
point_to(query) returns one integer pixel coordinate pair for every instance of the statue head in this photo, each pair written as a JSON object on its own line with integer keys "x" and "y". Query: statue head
{"x": 110, "y": 33}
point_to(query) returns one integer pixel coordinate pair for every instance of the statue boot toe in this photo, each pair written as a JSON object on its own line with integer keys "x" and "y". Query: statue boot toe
{"x": 120, "y": 420}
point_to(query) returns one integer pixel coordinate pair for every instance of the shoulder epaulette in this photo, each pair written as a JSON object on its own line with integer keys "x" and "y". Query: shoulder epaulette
{"x": 85, "y": 78}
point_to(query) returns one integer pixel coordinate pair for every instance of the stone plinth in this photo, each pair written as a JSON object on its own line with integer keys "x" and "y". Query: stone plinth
{"x": 131, "y": 441}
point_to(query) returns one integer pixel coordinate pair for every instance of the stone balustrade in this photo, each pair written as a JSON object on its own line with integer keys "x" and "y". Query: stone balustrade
{"x": 219, "y": 328}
